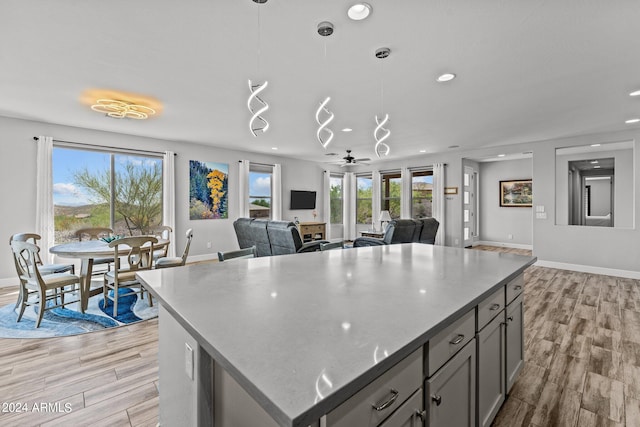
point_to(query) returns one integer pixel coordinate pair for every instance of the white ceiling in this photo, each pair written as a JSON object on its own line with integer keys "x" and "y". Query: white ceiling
{"x": 527, "y": 69}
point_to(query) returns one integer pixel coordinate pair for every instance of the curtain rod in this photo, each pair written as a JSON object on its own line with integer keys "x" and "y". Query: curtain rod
{"x": 256, "y": 163}
{"x": 84, "y": 144}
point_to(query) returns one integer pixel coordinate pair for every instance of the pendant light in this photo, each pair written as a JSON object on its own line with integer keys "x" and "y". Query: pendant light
{"x": 257, "y": 123}
{"x": 380, "y": 134}
{"x": 325, "y": 29}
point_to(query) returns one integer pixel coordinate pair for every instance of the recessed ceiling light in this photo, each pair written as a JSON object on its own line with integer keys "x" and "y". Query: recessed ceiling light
{"x": 595, "y": 145}
{"x": 274, "y": 148}
{"x": 446, "y": 77}
{"x": 347, "y": 130}
{"x": 597, "y": 167}
{"x": 501, "y": 155}
{"x": 632, "y": 121}
{"x": 636, "y": 93}
{"x": 594, "y": 162}
{"x": 454, "y": 146}
{"x": 423, "y": 151}
{"x": 359, "y": 11}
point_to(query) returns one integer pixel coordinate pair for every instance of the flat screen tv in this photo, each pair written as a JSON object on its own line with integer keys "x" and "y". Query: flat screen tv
{"x": 303, "y": 199}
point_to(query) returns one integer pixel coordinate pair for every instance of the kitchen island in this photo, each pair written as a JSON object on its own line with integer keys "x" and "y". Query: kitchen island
{"x": 294, "y": 340}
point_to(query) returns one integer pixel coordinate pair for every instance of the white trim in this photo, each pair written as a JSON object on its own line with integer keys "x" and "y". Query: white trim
{"x": 589, "y": 269}
{"x": 503, "y": 244}
{"x": 9, "y": 281}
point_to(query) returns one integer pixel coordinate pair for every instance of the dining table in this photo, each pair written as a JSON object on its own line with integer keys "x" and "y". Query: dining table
{"x": 87, "y": 251}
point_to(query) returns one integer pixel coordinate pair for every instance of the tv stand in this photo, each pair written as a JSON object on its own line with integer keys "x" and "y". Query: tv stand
{"x": 310, "y": 231}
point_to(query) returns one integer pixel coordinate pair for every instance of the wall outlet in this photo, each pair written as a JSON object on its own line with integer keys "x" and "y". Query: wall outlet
{"x": 188, "y": 360}
{"x": 208, "y": 245}
{"x": 456, "y": 242}
{"x": 510, "y": 236}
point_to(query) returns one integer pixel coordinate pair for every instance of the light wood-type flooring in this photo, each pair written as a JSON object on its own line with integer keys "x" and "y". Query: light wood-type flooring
{"x": 582, "y": 341}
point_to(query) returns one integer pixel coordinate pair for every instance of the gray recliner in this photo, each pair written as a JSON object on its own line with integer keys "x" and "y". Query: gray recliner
{"x": 404, "y": 231}
{"x": 272, "y": 237}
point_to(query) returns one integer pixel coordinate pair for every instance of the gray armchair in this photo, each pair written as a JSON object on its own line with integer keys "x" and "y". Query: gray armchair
{"x": 253, "y": 232}
{"x": 284, "y": 237}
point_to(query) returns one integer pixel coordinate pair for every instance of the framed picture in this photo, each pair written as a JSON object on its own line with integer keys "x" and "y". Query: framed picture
{"x": 516, "y": 193}
{"x": 208, "y": 190}
{"x": 450, "y": 190}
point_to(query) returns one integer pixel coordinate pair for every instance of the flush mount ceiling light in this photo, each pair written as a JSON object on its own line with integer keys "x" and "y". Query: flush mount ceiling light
{"x": 121, "y": 105}
{"x": 446, "y": 77}
{"x": 359, "y": 11}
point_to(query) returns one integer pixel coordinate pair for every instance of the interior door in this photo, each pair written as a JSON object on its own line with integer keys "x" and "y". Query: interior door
{"x": 469, "y": 208}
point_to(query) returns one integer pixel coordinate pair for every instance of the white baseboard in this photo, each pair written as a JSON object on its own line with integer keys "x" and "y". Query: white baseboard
{"x": 9, "y": 281}
{"x": 589, "y": 269}
{"x": 503, "y": 244}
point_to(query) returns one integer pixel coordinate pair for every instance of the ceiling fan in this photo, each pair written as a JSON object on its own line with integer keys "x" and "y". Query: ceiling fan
{"x": 350, "y": 160}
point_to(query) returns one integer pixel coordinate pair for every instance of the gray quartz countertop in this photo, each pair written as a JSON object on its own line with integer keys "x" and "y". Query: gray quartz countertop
{"x": 301, "y": 333}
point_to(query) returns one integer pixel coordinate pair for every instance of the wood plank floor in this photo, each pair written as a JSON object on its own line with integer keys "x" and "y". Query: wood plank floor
{"x": 582, "y": 342}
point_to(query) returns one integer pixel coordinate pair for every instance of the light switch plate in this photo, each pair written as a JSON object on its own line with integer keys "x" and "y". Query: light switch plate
{"x": 188, "y": 360}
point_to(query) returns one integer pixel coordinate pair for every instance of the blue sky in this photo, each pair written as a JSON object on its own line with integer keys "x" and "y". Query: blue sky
{"x": 259, "y": 184}
{"x": 66, "y": 161}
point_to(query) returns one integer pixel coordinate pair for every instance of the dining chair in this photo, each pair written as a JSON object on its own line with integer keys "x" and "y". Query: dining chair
{"x": 166, "y": 262}
{"x": 249, "y": 252}
{"x": 44, "y": 269}
{"x": 331, "y": 245}
{"x": 95, "y": 233}
{"x": 161, "y": 232}
{"x": 46, "y": 287}
{"x": 136, "y": 253}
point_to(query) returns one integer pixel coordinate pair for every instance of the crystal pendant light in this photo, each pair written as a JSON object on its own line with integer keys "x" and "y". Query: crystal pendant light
{"x": 257, "y": 123}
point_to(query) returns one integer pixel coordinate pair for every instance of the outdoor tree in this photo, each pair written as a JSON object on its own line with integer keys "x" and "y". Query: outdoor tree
{"x": 137, "y": 192}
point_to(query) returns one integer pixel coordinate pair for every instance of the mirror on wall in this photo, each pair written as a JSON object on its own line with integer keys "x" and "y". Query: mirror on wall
{"x": 594, "y": 185}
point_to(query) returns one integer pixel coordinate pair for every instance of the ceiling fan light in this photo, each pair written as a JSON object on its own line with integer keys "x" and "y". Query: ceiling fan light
{"x": 359, "y": 11}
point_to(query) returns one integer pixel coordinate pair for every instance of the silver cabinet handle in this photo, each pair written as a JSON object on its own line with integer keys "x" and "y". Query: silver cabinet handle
{"x": 510, "y": 318}
{"x": 457, "y": 340}
{"x": 437, "y": 399}
{"x": 385, "y": 405}
{"x": 517, "y": 288}
{"x": 494, "y": 307}
{"x": 421, "y": 414}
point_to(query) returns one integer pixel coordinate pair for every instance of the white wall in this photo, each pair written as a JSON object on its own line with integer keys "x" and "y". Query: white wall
{"x": 496, "y": 222}
{"x": 18, "y": 185}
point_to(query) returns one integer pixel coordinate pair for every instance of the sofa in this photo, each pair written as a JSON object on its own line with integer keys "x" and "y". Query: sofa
{"x": 422, "y": 230}
{"x": 272, "y": 237}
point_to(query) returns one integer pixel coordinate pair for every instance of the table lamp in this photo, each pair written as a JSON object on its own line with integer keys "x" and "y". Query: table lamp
{"x": 384, "y": 217}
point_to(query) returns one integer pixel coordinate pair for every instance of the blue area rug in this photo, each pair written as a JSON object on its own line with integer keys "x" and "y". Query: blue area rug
{"x": 70, "y": 321}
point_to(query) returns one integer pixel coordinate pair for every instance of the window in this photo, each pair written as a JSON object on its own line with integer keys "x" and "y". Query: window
{"x": 421, "y": 194}
{"x": 364, "y": 190}
{"x": 335, "y": 199}
{"x": 105, "y": 189}
{"x": 260, "y": 193}
{"x": 391, "y": 190}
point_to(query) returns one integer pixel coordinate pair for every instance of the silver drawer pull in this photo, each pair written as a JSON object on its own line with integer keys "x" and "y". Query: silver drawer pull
{"x": 517, "y": 288}
{"x": 437, "y": 399}
{"x": 510, "y": 318}
{"x": 421, "y": 414}
{"x": 385, "y": 405}
{"x": 457, "y": 340}
{"x": 494, "y": 307}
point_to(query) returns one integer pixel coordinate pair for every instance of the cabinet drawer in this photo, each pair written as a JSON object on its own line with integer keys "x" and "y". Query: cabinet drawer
{"x": 450, "y": 340}
{"x": 386, "y": 392}
{"x": 515, "y": 288}
{"x": 407, "y": 414}
{"x": 490, "y": 307}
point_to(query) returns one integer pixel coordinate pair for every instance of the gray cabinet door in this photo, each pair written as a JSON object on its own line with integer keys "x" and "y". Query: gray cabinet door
{"x": 410, "y": 414}
{"x": 450, "y": 394}
{"x": 515, "y": 341}
{"x": 491, "y": 370}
